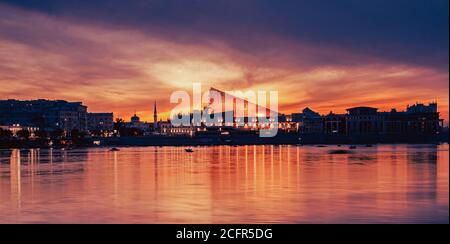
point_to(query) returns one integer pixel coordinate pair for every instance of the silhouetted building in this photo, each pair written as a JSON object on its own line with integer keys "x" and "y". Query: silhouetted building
{"x": 44, "y": 114}
{"x": 418, "y": 119}
{"x": 287, "y": 124}
{"x": 422, "y": 108}
{"x": 335, "y": 124}
{"x": 101, "y": 122}
{"x": 364, "y": 120}
{"x": 15, "y": 128}
{"x": 136, "y": 123}
{"x": 309, "y": 122}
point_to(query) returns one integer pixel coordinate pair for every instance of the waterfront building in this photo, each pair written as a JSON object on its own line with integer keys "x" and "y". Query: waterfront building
{"x": 101, "y": 123}
{"x": 136, "y": 123}
{"x": 286, "y": 124}
{"x": 309, "y": 121}
{"x": 364, "y": 120}
{"x": 166, "y": 128}
{"x": 422, "y": 108}
{"x": 418, "y": 119}
{"x": 44, "y": 114}
{"x": 15, "y": 128}
{"x": 335, "y": 124}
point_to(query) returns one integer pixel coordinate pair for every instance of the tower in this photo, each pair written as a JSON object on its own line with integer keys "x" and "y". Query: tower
{"x": 155, "y": 117}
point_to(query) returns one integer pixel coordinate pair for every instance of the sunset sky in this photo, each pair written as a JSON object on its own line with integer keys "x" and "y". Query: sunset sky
{"x": 120, "y": 56}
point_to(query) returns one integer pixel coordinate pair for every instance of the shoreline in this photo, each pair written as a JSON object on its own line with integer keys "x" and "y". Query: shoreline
{"x": 237, "y": 140}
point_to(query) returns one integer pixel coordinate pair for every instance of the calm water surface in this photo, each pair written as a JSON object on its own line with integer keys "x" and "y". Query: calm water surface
{"x": 248, "y": 184}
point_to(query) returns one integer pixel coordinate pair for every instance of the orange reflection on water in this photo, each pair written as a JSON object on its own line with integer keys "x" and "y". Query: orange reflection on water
{"x": 247, "y": 184}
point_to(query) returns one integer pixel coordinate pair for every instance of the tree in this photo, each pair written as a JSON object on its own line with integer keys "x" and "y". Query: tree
{"x": 41, "y": 134}
{"x": 75, "y": 134}
{"x": 118, "y": 124}
{"x": 23, "y": 134}
{"x": 131, "y": 132}
{"x": 78, "y": 137}
{"x": 57, "y": 134}
{"x": 96, "y": 132}
{"x": 5, "y": 134}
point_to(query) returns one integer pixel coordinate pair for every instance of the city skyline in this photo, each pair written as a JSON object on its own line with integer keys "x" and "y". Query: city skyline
{"x": 154, "y": 114}
{"x": 59, "y": 51}
{"x": 259, "y": 113}
{"x": 45, "y": 119}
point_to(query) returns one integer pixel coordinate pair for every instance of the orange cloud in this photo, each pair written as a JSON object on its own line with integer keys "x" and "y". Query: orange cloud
{"x": 123, "y": 70}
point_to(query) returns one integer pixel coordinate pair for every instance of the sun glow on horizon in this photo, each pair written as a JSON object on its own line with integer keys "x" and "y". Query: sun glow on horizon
{"x": 121, "y": 70}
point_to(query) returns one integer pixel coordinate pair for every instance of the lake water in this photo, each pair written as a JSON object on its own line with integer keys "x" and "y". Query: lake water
{"x": 247, "y": 184}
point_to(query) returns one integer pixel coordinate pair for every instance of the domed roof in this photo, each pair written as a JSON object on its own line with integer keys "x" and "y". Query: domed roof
{"x": 135, "y": 118}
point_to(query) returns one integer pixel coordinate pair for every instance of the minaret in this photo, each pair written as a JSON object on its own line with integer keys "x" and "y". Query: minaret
{"x": 155, "y": 118}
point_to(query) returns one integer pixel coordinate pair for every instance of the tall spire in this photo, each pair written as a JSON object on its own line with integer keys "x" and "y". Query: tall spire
{"x": 155, "y": 117}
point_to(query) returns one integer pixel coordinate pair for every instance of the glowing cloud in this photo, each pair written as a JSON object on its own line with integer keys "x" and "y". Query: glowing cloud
{"x": 125, "y": 69}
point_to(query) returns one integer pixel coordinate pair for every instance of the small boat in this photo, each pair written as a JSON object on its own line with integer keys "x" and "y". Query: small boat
{"x": 115, "y": 149}
{"x": 340, "y": 152}
{"x": 352, "y": 147}
{"x": 189, "y": 150}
